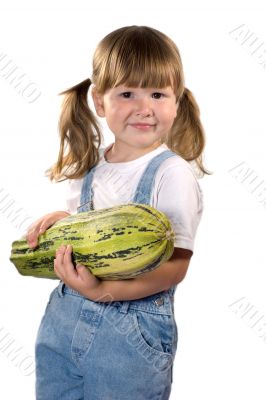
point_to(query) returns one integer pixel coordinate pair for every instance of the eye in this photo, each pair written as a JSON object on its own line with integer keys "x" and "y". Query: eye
{"x": 126, "y": 95}
{"x": 157, "y": 95}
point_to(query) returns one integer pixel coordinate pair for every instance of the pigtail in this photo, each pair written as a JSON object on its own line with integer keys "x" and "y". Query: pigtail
{"x": 187, "y": 137}
{"x": 80, "y": 135}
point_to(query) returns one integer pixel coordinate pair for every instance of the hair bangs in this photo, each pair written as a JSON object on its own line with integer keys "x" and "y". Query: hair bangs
{"x": 141, "y": 72}
{"x": 139, "y": 58}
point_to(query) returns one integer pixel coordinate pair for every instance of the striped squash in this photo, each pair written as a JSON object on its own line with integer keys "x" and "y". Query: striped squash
{"x": 115, "y": 243}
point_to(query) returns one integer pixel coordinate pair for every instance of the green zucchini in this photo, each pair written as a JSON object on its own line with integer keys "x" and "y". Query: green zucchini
{"x": 115, "y": 243}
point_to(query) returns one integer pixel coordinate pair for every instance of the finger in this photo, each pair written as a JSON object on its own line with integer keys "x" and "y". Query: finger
{"x": 63, "y": 253}
{"x": 59, "y": 257}
{"x": 37, "y": 229}
{"x": 83, "y": 272}
{"x": 46, "y": 224}
{"x": 59, "y": 262}
{"x": 68, "y": 264}
{"x": 68, "y": 251}
{"x": 32, "y": 236}
{"x": 63, "y": 263}
{"x": 34, "y": 231}
{"x": 61, "y": 249}
{"x": 57, "y": 270}
{"x": 43, "y": 228}
{"x": 81, "y": 269}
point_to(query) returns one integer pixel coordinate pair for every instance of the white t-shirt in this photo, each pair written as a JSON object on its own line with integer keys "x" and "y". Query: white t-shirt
{"x": 176, "y": 191}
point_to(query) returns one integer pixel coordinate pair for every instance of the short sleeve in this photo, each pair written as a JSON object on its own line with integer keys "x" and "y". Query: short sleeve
{"x": 180, "y": 197}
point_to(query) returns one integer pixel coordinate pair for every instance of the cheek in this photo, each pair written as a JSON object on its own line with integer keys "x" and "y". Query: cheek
{"x": 122, "y": 113}
{"x": 116, "y": 109}
{"x": 174, "y": 111}
{"x": 169, "y": 115}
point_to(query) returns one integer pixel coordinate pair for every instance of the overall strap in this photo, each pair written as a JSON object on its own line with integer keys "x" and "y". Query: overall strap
{"x": 86, "y": 190}
{"x": 146, "y": 182}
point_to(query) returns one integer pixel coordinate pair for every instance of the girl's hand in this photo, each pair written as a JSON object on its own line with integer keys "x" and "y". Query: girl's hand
{"x": 78, "y": 278}
{"x": 41, "y": 225}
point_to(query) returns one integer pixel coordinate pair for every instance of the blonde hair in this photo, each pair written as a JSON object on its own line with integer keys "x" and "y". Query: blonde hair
{"x": 138, "y": 56}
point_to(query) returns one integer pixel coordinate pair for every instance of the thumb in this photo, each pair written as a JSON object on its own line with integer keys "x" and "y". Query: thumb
{"x": 82, "y": 270}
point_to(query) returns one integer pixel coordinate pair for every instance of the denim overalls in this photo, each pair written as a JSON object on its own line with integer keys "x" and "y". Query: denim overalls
{"x": 121, "y": 350}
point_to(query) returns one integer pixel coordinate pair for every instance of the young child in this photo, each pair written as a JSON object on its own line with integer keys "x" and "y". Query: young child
{"x": 116, "y": 340}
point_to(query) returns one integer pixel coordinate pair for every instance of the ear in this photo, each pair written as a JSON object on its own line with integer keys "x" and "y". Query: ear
{"x": 98, "y": 102}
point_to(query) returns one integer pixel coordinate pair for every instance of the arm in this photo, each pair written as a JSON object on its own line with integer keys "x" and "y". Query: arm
{"x": 162, "y": 278}
{"x": 166, "y": 275}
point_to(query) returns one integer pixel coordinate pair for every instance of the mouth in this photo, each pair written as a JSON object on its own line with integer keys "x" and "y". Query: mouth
{"x": 142, "y": 126}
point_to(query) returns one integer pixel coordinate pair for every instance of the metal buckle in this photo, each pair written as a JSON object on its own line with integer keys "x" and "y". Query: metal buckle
{"x": 159, "y": 302}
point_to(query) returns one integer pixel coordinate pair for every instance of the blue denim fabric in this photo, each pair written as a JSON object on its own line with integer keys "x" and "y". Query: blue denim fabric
{"x": 123, "y": 350}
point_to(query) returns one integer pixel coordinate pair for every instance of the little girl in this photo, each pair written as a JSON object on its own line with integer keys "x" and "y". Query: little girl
{"x": 116, "y": 340}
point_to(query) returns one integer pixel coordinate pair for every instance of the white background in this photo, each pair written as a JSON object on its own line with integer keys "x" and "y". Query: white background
{"x": 220, "y": 355}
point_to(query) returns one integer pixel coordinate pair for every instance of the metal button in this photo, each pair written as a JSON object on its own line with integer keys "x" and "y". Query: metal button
{"x": 159, "y": 302}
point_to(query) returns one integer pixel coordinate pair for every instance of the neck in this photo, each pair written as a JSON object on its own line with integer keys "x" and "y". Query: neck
{"x": 118, "y": 153}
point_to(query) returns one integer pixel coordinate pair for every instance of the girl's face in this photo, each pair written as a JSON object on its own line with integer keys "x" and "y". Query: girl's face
{"x": 138, "y": 117}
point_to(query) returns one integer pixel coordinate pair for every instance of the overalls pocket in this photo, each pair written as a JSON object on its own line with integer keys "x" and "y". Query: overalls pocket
{"x": 155, "y": 338}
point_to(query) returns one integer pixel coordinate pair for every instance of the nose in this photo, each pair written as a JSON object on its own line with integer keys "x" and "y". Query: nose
{"x": 144, "y": 107}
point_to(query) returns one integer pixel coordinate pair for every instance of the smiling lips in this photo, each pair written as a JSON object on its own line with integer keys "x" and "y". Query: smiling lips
{"x": 142, "y": 126}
